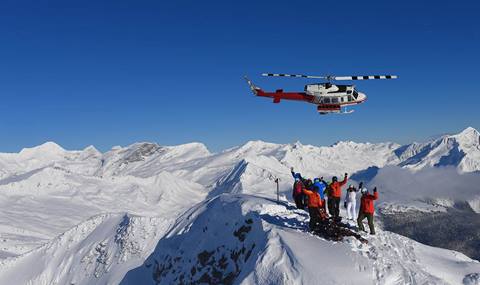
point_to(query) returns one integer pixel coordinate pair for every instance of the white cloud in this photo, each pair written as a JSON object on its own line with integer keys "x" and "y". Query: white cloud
{"x": 398, "y": 183}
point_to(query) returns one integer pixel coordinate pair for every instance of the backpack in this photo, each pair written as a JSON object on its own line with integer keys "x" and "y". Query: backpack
{"x": 297, "y": 188}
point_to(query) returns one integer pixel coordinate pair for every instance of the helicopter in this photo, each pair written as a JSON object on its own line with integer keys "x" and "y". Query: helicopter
{"x": 330, "y": 98}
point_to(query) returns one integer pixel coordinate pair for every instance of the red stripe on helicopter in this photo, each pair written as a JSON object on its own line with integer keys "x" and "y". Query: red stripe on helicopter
{"x": 279, "y": 95}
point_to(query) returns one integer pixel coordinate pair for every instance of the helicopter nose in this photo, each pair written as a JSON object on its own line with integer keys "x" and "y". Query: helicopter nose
{"x": 361, "y": 96}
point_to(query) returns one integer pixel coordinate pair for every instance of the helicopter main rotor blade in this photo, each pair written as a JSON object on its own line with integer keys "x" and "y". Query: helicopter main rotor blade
{"x": 330, "y": 77}
{"x": 367, "y": 77}
{"x": 293, "y": 75}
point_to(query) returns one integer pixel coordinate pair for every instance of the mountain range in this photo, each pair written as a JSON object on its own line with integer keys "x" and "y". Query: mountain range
{"x": 152, "y": 214}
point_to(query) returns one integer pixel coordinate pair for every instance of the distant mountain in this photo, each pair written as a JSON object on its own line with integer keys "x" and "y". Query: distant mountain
{"x": 461, "y": 150}
{"x": 173, "y": 214}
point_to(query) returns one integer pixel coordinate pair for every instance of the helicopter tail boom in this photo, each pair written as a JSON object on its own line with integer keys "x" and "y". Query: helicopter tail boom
{"x": 279, "y": 95}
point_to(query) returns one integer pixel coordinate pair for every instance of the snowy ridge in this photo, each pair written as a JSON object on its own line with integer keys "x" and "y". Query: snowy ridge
{"x": 141, "y": 158}
{"x": 133, "y": 209}
{"x": 257, "y": 241}
{"x": 53, "y": 200}
{"x": 101, "y": 249}
{"x": 461, "y": 150}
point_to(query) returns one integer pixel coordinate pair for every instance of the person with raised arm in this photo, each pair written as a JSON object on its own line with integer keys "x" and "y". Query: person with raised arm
{"x": 367, "y": 209}
{"x": 335, "y": 193}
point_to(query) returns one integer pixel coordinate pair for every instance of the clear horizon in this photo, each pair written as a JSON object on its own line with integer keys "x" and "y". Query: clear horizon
{"x": 240, "y": 144}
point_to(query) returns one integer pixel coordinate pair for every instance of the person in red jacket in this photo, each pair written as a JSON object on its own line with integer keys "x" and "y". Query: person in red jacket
{"x": 315, "y": 208}
{"x": 334, "y": 194}
{"x": 297, "y": 194}
{"x": 367, "y": 209}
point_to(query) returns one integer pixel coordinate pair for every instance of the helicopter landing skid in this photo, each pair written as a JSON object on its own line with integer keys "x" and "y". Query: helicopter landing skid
{"x": 345, "y": 111}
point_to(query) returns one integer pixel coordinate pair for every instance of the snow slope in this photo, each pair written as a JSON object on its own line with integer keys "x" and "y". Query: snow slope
{"x": 53, "y": 200}
{"x": 99, "y": 250}
{"x": 98, "y": 215}
{"x": 256, "y": 241}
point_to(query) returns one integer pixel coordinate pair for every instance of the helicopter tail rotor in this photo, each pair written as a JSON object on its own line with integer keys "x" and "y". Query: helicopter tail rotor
{"x": 252, "y": 86}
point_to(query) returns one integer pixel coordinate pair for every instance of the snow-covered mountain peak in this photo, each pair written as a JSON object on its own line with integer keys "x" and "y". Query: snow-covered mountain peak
{"x": 461, "y": 150}
{"x": 470, "y": 131}
{"x": 348, "y": 144}
{"x": 91, "y": 149}
{"x": 199, "y": 148}
{"x": 340, "y": 143}
{"x": 140, "y": 151}
{"x": 469, "y": 137}
{"x": 356, "y": 145}
{"x": 256, "y": 147}
{"x": 258, "y": 144}
{"x": 45, "y": 149}
{"x": 296, "y": 144}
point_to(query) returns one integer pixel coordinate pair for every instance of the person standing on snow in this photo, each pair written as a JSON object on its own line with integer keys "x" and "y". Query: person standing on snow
{"x": 315, "y": 208}
{"x": 351, "y": 202}
{"x": 335, "y": 193}
{"x": 319, "y": 185}
{"x": 297, "y": 193}
{"x": 367, "y": 209}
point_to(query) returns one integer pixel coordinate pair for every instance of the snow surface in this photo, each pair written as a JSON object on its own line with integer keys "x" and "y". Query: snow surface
{"x": 85, "y": 217}
{"x": 276, "y": 249}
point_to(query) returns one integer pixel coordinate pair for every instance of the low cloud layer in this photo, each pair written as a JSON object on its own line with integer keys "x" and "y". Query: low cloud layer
{"x": 397, "y": 183}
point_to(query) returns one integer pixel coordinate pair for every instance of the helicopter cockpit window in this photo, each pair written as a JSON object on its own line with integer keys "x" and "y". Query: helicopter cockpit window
{"x": 355, "y": 94}
{"x": 326, "y": 100}
{"x": 334, "y": 100}
{"x": 350, "y": 98}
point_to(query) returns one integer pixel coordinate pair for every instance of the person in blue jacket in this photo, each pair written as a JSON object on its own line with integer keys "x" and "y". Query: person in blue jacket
{"x": 296, "y": 175}
{"x": 319, "y": 185}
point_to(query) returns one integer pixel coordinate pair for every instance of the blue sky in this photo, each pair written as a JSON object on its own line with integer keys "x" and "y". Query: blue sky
{"x": 115, "y": 72}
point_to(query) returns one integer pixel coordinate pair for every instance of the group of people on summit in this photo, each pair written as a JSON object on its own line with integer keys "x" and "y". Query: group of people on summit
{"x": 318, "y": 196}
